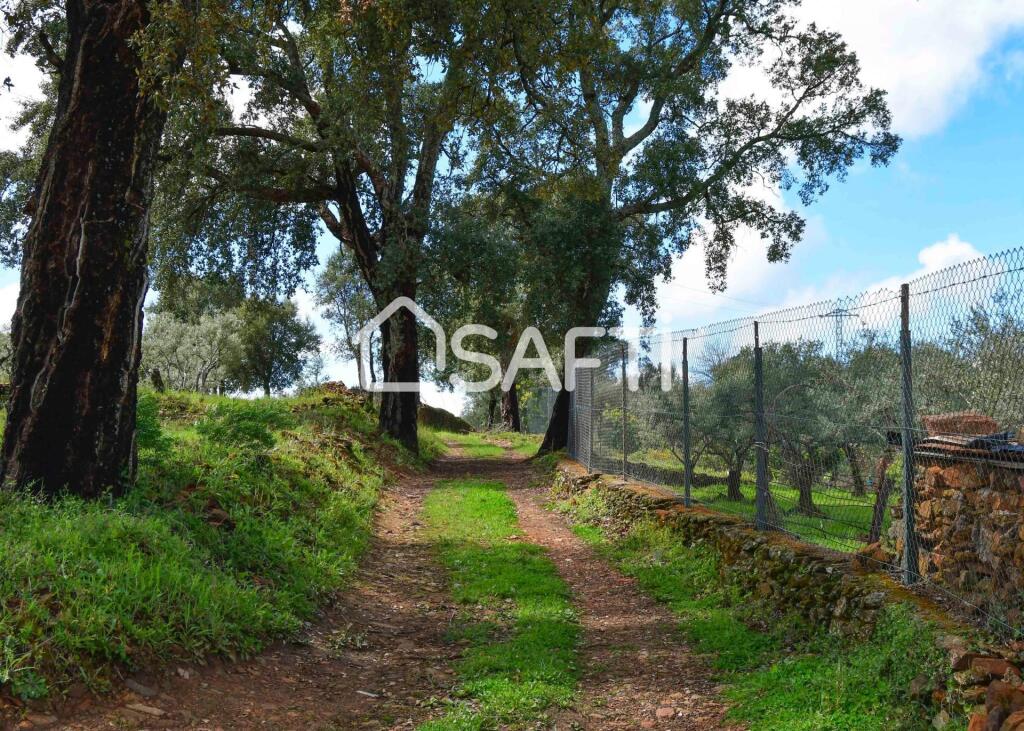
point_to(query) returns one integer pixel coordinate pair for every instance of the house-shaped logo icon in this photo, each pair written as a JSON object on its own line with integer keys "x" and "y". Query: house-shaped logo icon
{"x": 365, "y": 333}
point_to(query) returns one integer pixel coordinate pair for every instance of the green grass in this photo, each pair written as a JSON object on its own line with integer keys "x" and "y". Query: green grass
{"x": 781, "y": 674}
{"x": 474, "y": 444}
{"x": 524, "y": 445}
{"x": 481, "y": 445}
{"x": 518, "y": 628}
{"x": 246, "y": 516}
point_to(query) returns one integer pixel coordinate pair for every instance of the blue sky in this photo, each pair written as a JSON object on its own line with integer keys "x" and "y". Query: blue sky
{"x": 955, "y": 76}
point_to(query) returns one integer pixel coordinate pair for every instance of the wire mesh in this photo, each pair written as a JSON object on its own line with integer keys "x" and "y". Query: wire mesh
{"x": 834, "y": 437}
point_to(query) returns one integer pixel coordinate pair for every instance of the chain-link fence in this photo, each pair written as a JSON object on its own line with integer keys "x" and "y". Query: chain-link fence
{"x": 535, "y": 410}
{"x": 886, "y": 423}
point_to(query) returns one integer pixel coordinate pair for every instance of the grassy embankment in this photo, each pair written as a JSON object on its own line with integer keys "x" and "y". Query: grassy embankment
{"x": 517, "y": 627}
{"x": 486, "y": 445}
{"x": 780, "y": 673}
{"x": 246, "y": 516}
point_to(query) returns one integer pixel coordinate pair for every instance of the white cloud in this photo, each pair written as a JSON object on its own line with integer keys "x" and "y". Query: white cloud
{"x": 929, "y": 55}
{"x": 950, "y": 251}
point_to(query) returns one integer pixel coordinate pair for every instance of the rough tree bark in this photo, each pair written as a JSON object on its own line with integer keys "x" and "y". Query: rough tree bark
{"x": 77, "y": 329}
{"x": 398, "y": 410}
{"x": 732, "y": 483}
{"x": 510, "y": 420}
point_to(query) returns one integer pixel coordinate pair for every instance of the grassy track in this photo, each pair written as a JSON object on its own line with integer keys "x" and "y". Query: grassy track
{"x": 518, "y": 628}
{"x": 781, "y": 673}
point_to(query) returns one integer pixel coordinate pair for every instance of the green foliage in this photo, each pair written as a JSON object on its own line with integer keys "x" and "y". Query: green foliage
{"x": 210, "y": 553}
{"x": 149, "y": 436}
{"x": 521, "y": 660}
{"x": 191, "y": 355}
{"x": 245, "y": 424}
{"x": 277, "y": 346}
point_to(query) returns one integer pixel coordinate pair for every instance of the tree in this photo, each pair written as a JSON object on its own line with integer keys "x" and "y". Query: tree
{"x": 277, "y": 346}
{"x": 688, "y": 172}
{"x": 725, "y": 418}
{"x": 347, "y": 303}
{"x": 354, "y": 121}
{"x": 78, "y": 325}
{"x": 192, "y": 356}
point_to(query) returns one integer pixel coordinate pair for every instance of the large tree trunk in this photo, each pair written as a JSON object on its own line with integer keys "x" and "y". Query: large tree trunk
{"x": 77, "y": 329}
{"x": 510, "y": 409}
{"x": 399, "y": 356}
{"x": 557, "y": 435}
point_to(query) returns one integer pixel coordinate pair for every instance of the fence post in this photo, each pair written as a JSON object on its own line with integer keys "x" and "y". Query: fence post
{"x": 687, "y": 467}
{"x": 760, "y": 437}
{"x": 592, "y": 425}
{"x": 623, "y": 411}
{"x": 910, "y": 558}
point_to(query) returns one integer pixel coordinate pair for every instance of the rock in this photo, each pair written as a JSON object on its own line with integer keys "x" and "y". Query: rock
{"x": 941, "y": 720}
{"x": 142, "y": 708}
{"x": 919, "y": 687}
{"x": 1003, "y": 695}
{"x": 978, "y": 721}
{"x": 40, "y": 720}
{"x": 665, "y": 712}
{"x": 992, "y": 667}
{"x": 136, "y": 687}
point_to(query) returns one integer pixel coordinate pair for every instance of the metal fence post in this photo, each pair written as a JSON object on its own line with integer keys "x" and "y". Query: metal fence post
{"x": 623, "y": 411}
{"x": 910, "y": 558}
{"x": 591, "y": 426}
{"x": 760, "y": 437}
{"x": 687, "y": 467}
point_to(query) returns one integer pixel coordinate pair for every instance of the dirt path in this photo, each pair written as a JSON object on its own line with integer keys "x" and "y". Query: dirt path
{"x": 368, "y": 663}
{"x": 373, "y": 658}
{"x": 637, "y": 672}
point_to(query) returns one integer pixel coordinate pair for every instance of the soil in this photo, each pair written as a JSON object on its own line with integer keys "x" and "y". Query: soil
{"x": 377, "y": 659}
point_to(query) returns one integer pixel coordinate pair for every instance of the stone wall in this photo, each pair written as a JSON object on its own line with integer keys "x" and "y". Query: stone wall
{"x": 820, "y": 586}
{"x": 970, "y": 527}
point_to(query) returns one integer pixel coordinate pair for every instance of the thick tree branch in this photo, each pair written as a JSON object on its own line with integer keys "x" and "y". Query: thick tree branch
{"x": 267, "y": 134}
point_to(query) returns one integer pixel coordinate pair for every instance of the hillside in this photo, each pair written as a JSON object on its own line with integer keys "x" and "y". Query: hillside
{"x": 247, "y": 516}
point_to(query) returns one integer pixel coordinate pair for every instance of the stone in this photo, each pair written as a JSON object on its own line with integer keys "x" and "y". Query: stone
{"x": 136, "y": 687}
{"x": 992, "y": 667}
{"x": 665, "y": 712}
{"x": 144, "y": 709}
{"x": 941, "y": 720}
{"x": 978, "y": 721}
{"x": 1003, "y": 695}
